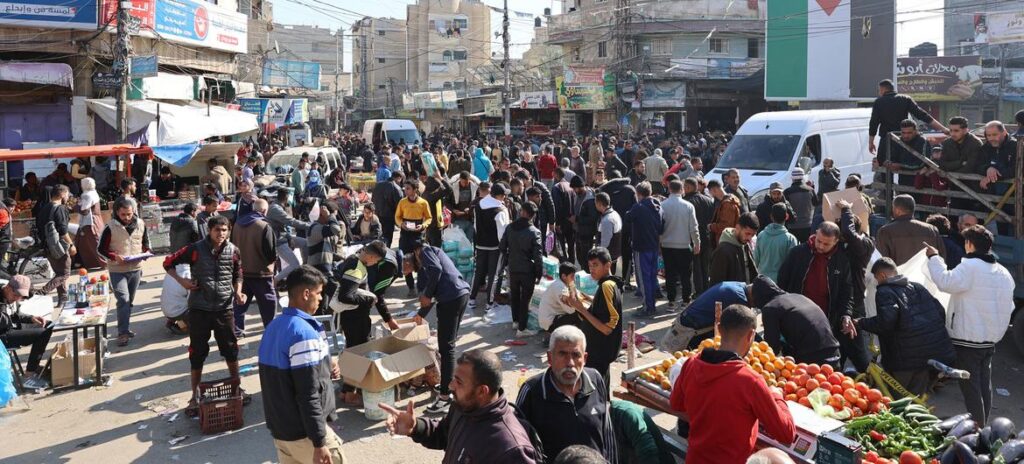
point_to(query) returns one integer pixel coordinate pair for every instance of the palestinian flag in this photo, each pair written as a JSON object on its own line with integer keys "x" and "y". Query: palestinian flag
{"x": 829, "y": 49}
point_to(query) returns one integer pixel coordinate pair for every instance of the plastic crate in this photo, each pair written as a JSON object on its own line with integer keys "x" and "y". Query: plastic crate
{"x": 220, "y": 406}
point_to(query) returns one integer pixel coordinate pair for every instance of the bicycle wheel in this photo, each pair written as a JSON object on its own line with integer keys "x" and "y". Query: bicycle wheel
{"x": 38, "y": 271}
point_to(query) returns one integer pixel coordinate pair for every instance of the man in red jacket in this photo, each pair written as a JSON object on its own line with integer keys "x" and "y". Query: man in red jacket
{"x": 725, "y": 400}
{"x": 546, "y": 166}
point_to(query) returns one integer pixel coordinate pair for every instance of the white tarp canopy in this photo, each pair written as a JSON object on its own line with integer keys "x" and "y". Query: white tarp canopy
{"x": 178, "y": 124}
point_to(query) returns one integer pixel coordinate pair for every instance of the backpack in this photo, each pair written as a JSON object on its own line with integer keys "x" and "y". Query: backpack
{"x": 535, "y": 441}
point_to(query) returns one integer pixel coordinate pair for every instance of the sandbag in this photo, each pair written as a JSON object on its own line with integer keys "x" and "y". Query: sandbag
{"x": 174, "y": 298}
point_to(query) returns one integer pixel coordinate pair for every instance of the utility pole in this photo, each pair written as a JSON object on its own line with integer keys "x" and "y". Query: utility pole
{"x": 623, "y": 54}
{"x": 507, "y": 93}
{"x": 1002, "y": 80}
{"x": 363, "y": 84}
{"x": 121, "y": 54}
{"x": 392, "y": 100}
{"x": 337, "y": 80}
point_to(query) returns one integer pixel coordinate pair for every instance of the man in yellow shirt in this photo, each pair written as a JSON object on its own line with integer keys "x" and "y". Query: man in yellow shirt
{"x": 412, "y": 217}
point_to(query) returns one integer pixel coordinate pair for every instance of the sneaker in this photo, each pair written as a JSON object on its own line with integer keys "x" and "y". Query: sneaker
{"x": 525, "y": 333}
{"x": 412, "y": 293}
{"x": 440, "y": 406}
{"x": 629, "y": 287}
{"x": 672, "y": 306}
{"x": 36, "y": 382}
{"x": 471, "y": 305}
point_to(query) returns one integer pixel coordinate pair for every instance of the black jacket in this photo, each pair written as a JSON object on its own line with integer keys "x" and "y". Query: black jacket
{"x": 890, "y": 109}
{"x": 491, "y": 434}
{"x": 910, "y": 324}
{"x": 562, "y": 197}
{"x": 704, "y": 206}
{"x": 764, "y": 213}
{"x": 840, "y": 296}
{"x": 184, "y": 232}
{"x": 546, "y": 208}
{"x": 386, "y": 196}
{"x": 10, "y": 318}
{"x": 521, "y": 247}
{"x": 743, "y": 195}
{"x": 859, "y": 248}
{"x": 623, "y": 195}
{"x": 795, "y": 319}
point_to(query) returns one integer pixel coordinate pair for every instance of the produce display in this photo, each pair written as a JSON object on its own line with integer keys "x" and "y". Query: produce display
{"x": 24, "y": 205}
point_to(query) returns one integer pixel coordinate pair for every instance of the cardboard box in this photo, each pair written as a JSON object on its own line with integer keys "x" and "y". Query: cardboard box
{"x": 403, "y": 360}
{"x": 831, "y": 212}
{"x": 410, "y": 332}
{"x": 62, "y": 365}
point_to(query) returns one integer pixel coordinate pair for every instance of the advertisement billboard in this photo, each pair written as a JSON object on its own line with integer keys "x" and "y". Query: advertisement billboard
{"x": 56, "y": 14}
{"x": 939, "y": 78}
{"x": 291, "y": 74}
{"x": 1005, "y": 27}
{"x": 585, "y": 89}
{"x": 540, "y": 100}
{"x": 185, "y": 21}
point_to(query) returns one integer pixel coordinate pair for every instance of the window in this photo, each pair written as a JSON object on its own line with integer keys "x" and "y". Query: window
{"x": 381, "y": 33}
{"x": 382, "y": 86}
{"x": 446, "y": 55}
{"x": 753, "y": 48}
{"x": 381, "y": 60}
{"x": 446, "y": 85}
{"x": 661, "y": 47}
{"x": 576, "y": 55}
{"x": 719, "y": 46}
{"x": 459, "y": 55}
{"x": 602, "y": 49}
{"x": 461, "y": 23}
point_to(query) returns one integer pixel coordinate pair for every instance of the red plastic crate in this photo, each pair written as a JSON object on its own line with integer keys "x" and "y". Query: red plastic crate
{"x": 220, "y": 406}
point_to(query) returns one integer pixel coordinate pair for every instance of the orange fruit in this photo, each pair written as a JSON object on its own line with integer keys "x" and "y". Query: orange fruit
{"x": 790, "y": 366}
{"x": 666, "y": 385}
{"x": 779, "y": 364}
{"x": 804, "y": 402}
{"x": 667, "y": 363}
{"x": 812, "y": 385}
{"x": 827, "y": 370}
{"x": 786, "y": 373}
{"x": 813, "y": 369}
{"x": 764, "y": 358}
{"x": 678, "y": 354}
{"x": 835, "y": 378}
{"x": 764, "y": 346}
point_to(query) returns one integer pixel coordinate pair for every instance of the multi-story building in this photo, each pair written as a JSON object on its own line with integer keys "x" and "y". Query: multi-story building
{"x": 966, "y": 31}
{"x": 681, "y": 63}
{"x": 446, "y": 39}
{"x": 312, "y": 44}
{"x": 379, "y": 51}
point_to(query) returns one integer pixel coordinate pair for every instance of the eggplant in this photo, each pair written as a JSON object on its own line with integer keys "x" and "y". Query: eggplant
{"x": 963, "y": 428}
{"x": 1002, "y": 429}
{"x": 964, "y": 455}
{"x": 1011, "y": 451}
{"x": 984, "y": 459}
{"x": 985, "y": 440}
{"x": 971, "y": 440}
{"x": 948, "y": 424}
{"x": 948, "y": 456}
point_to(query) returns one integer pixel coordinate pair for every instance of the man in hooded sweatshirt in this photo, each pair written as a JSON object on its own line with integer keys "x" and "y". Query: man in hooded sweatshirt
{"x": 646, "y": 224}
{"x": 733, "y": 260}
{"x": 803, "y": 199}
{"x": 623, "y": 196}
{"x": 793, "y": 324}
{"x": 490, "y": 218}
{"x": 725, "y": 401}
{"x": 258, "y": 250}
{"x": 774, "y": 243}
{"x": 482, "y": 166}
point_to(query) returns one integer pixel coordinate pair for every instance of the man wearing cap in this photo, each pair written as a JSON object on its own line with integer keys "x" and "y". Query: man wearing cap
{"x": 12, "y": 333}
{"x": 775, "y": 196}
{"x": 803, "y": 200}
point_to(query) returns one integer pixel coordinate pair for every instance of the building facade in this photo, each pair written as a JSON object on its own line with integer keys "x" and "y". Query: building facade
{"x": 446, "y": 39}
{"x": 380, "y": 69}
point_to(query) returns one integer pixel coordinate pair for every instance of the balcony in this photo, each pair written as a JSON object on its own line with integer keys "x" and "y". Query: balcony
{"x": 715, "y": 68}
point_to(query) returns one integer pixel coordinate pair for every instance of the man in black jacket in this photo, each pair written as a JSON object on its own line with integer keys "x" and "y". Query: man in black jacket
{"x": 859, "y": 247}
{"x": 563, "y": 196}
{"x": 386, "y": 196}
{"x": 888, "y": 110}
{"x": 820, "y": 270}
{"x": 481, "y": 427}
{"x": 12, "y": 333}
{"x": 623, "y": 197}
{"x": 704, "y": 206}
{"x": 521, "y": 248}
{"x": 764, "y": 210}
{"x": 585, "y": 217}
{"x": 546, "y": 205}
{"x": 911, "y": 328}
{"x": 797, "y": 320}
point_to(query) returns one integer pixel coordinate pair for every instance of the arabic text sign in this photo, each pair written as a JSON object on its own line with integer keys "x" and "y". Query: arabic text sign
{"x": 536, "y": 100}
{"x": 1005, "y": 27}
{"x": 945, "y": 78}
{"x": 576, "y": 95}
{"x": 187, "y": 21}
{"x": 61, "y": 14}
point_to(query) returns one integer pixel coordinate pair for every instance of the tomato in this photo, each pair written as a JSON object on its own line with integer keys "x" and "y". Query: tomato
{"x": 821, "y": 378}
{"x": 857, "y": 412}
{"x": 851, "y": 395}
{"x": 886, "y": 400}
{"x": 791, "y": 397}
{"x": 802, "y": 393}
{"x": 871, "y": 456}
{"x": 790, "y": 387}
{"x": 837, "y": 390}
{"x": 910, "y": 457}
{"x": 835, "y": 378}
{"x": 813, "y": 369}
{"x": 862, "y": 388}
{"x": 836, "y": 401}
{"x": 804, "y": 401}
{"x": 812, "y": 385}
{"x": 826, "y": 386}
{"x": 862, "y": 404}
{"x": 874, "y": 395}
{"x": 802, "y": 379}
{"x": 849, "y": 384}
{"x": 876, "y": 408}
{"x": 827, "y": 370}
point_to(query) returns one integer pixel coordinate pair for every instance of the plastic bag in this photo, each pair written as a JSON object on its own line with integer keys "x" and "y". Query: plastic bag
{"x": 819, "y": 402}
{"x": 174, "y": 299}
{"x": 314, "y": 212}
{"x": 499, "y": 314}
{"x": 455, "y": 234}
{"x": 7, "y": 391}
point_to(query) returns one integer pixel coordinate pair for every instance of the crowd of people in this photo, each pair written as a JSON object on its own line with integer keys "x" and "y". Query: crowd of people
{"x": 624, "y": 209}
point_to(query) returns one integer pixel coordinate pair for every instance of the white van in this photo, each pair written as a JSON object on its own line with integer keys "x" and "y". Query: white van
{"x": 393, "y": 131}
{"x": 289, "y": 158}
{"x": 769, "y": 145}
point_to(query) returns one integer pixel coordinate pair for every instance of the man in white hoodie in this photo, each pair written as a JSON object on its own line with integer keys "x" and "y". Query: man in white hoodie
{"x": 491, "y": 218}
{"x": 980, "y": 307}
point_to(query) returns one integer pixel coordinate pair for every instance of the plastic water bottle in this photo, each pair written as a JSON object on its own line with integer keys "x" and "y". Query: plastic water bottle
{"x": 522, "y": 377}
{"x": 83, "y": 282}
{"x": 248, "y": 368}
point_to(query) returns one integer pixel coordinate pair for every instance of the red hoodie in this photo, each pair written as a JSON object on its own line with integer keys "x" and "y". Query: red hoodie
{"x": 725, "y": 401}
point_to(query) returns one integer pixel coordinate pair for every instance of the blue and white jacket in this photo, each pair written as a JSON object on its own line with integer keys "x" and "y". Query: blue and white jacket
{"x": 295, "y": 378}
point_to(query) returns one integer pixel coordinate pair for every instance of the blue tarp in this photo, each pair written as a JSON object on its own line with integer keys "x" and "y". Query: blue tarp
{"x": 178, "y": 155}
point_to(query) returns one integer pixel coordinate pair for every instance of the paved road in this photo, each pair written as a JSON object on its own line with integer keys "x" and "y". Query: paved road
{"x": 123, "y": 422}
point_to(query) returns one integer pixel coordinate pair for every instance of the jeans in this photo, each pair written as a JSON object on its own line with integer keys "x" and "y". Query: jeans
{"x": 977, "y": 390}
{"x": 564, "y": 242}
{"x": 290, "y": 260}
{"x": 678, "y": 267}
{"x": 702, "y": 269}
{"x": 61, "y": 270}
{"x": 521, "y": 286}
{"x": 449, "y": 318}
{"x": 38, "y": 337}
{"x": 627, "y": 256}
{"x": 261, "y": 289}
{"x": 647, "y": 277}
{"x": 124, "y": 284}
{"x": 486, "y": 268}
{"x": 854, "y": 349}
{"x": 387, "y": 230}
{"x": 583, "y": 246}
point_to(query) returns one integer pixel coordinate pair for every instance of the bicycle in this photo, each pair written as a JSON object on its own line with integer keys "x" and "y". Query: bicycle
{"x": 18, "y": 258}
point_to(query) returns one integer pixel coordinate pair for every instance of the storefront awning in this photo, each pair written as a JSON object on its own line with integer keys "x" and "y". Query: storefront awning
{"x": 72, "y": 152}
{"x": 38, "y": 73}
{"x": 177, "y": 124}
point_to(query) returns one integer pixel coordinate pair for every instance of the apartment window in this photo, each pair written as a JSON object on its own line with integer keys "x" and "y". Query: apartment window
{"x": 576, "y": 55}
{"x": 382, "y": 86}
{"x": 752, "y": 48}
{"x": 661, "y": 47}
{"x": 382, "y": 33}
{"x": 381, "y": 60}
{"x": 719, "y": 46}
{"x": 461, "y": 23}
{"x": 602, "y": 49}
{"x": 446, "y": 85}
{"x": 446, "y": 55}
{"x": 459, "y": 55}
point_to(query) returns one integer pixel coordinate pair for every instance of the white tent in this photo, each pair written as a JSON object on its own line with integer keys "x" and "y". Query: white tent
{"x": 178, "y": 124}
